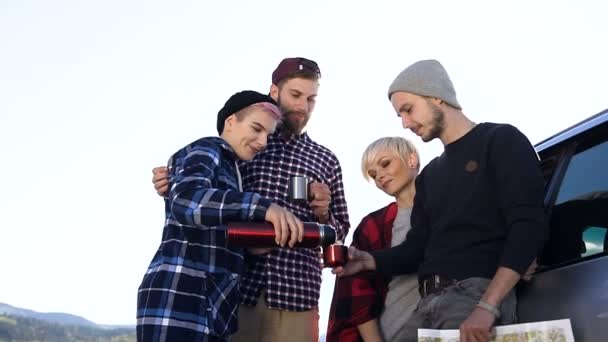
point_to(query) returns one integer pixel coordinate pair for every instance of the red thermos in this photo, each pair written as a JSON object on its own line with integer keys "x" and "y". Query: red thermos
{"x": 258, "y": 234}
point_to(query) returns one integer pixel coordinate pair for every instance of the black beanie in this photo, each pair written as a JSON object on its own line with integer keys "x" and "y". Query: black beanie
{"x": 239, "y": 101}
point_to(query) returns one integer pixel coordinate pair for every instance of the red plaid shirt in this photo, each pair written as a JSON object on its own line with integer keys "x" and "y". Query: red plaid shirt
{"x": 360, "y": 298}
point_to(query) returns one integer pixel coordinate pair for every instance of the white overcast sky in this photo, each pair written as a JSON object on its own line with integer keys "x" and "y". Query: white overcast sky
{"x": 93, "y": 94}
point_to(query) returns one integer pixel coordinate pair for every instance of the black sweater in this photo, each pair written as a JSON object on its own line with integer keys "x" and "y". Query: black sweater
{"x": 478, "y": 206}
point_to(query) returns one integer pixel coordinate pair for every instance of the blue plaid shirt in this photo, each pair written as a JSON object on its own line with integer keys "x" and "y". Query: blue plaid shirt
{"x": 190, "y": 291}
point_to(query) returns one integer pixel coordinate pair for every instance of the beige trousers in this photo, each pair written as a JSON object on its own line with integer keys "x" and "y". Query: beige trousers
{"x": 261, "y": 324}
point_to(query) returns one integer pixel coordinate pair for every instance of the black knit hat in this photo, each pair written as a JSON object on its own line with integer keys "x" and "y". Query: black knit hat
{"x": 239, "y": 101}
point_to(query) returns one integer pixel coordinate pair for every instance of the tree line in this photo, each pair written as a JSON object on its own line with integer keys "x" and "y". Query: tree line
{"x": 24, "y": 329}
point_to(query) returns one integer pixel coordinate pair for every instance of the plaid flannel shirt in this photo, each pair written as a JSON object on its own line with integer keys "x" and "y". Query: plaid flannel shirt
{"x": 360, "y": 298}
{"x": 291, "y": 277}
{"x": 190, "y": 290}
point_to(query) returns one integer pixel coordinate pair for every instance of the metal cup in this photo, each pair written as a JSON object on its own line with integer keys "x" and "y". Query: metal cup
{"x": 335, "y": 255}
{"x": 298, "y": 189}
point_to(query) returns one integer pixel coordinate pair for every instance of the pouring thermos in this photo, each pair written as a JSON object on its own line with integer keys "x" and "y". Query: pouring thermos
{"x": 261, "y": 235}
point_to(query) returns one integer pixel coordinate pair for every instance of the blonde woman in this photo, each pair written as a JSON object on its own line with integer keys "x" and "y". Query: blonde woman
{"x": 367, "y": 306}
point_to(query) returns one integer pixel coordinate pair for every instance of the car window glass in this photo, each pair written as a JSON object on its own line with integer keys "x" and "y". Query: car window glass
{"x": 579, "y": 218}
{"x": 586, "y": 173}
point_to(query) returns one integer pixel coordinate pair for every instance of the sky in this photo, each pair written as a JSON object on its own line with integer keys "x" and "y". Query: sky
{"x": 94, "y": 94}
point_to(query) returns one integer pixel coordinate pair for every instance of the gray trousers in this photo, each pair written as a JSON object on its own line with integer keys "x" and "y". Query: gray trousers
{"x": 448, "y": 308}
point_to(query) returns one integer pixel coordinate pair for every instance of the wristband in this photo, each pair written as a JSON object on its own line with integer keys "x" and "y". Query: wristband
{"x": 489, "y": 307}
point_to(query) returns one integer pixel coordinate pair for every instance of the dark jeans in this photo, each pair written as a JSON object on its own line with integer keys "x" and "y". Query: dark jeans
{"x": 448, "y": 308}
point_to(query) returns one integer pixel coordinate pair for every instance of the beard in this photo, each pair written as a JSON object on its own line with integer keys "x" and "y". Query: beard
{"x": 437, "y": 125}
{"x": 289, "y": 122}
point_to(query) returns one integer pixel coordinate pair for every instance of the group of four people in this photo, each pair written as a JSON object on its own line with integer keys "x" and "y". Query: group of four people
{"x": 446, "y": 254}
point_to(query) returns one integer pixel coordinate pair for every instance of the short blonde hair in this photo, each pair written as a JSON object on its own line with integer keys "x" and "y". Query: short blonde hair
{"x": 401, "y": 147}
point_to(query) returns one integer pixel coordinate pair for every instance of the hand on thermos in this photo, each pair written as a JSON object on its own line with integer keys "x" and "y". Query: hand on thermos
{"x": 320, "y": 197}
{"x": 286, "y": 225}
{"x": 160, "y": 179}
{"x": 262, "y": 235}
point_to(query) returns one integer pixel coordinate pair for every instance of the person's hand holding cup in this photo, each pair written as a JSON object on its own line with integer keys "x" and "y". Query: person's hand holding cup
{"x": 317, "y": 194}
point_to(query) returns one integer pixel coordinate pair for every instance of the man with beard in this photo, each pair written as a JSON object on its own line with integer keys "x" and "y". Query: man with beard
{"x": 280, "y": 290}
{"x": 478, "y": 220}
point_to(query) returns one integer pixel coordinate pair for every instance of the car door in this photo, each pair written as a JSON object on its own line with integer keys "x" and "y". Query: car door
{"x": 572, "y": 281}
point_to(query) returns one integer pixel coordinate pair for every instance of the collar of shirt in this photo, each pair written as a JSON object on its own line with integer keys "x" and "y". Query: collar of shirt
{"x": 281, "y": 133}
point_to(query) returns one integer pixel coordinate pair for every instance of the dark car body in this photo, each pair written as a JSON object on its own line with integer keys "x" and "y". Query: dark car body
{"x": 572, "y": 279}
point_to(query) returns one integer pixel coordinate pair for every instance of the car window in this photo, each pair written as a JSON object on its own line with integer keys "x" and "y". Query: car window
{"x": 579, "y": 218}
{"x": 587, "y": 173}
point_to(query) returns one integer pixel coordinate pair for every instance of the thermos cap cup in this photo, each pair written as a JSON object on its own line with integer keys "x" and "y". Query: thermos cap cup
{"x": 335, "y": 255}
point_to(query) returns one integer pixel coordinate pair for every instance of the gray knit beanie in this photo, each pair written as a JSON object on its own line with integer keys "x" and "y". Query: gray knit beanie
{"x": 426, "y": 78}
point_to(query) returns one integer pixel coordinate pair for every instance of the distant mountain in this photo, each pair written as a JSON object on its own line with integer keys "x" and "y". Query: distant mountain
{"x": 51, "y": 317}
{"x": 23, "y": 325}
{"x": 25, "y": 329}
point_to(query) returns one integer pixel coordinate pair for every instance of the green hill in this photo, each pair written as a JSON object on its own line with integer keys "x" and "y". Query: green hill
{"x": 23, "y": 329}
{"x": 52, "y": 317}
